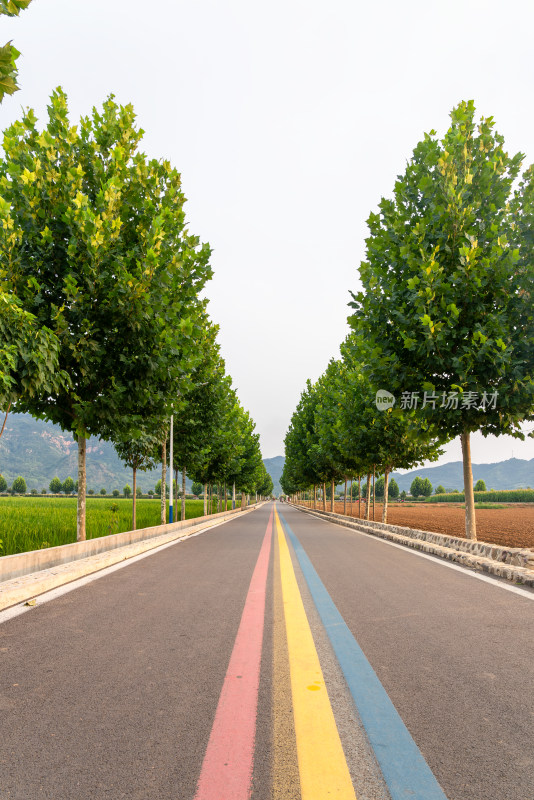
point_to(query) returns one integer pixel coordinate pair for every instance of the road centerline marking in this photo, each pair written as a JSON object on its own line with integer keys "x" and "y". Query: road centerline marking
{"x": 227, "y": 767}
{"x": 403, "y": 766}
{"x": 322, "y": 765}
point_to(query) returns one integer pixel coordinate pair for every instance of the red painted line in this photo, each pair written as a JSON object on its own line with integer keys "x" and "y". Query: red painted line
{"x": 227, "y": 768}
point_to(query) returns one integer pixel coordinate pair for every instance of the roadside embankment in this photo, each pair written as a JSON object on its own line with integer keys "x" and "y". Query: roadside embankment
{"x": 26, "y": 575}
{"x": 513, "y": 563}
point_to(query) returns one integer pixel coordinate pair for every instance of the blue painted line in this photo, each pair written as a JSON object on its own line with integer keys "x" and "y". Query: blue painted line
{"x": 407, "y": 775}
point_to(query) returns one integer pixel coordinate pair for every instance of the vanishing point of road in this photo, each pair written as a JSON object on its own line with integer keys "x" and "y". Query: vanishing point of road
{"x": 276, "y": 656}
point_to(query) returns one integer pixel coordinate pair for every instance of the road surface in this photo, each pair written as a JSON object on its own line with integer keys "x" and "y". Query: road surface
{"x": 277, "y": 655}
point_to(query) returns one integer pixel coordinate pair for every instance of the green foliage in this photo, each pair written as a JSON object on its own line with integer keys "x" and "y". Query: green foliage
{"x": 403, "y": 496}
{"x": 90, "y": 491}
{"x": 447, "y": 281}
{"x": 68, "y": 485}
{"x": 11, "y": 8}
{"x": 197, "y": 488}
{"x": 504, "y": 496}
{"x": 27, "y": 522}
{"x": 127, "y": 491}
{"x": 43, "y": 490}
{"x": 265, "y": 485}
{"x": 440, "y": 489}
{"x": 426, "y": 487}
{"x": 19, "y": 485}
{"x": 138, "y": 492}
{"x": 113, "y": 526}
{"x": 3, "y": 484}
{"x": 307, "y": 461}
{"x": 8, "y": 53}
{"x": 157, "y": 489}
{"x": 379, "y": 487}
{"x": 393, "y": 488}
{"x": 141, "y": 452}
{"x": 420, "y": 487}
{"x": 55, "y": 485}
{"x": 116, "y": 493}
{"x": 97, "y": 234}
{"x": 28, "y": 351}
{"x": 480, "y": 486}
{"x": 103, "y": 491}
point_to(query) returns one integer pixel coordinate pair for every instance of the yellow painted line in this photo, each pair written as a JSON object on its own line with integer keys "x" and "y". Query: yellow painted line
{"x": 322, "y": 764}
{"x": 285, "y": 774}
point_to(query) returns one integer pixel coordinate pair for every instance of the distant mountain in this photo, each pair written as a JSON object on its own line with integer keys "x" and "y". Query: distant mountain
{"x": 274, "y": 467}
{"x": 516, "y": 473}
{"x": 39, "y": 450}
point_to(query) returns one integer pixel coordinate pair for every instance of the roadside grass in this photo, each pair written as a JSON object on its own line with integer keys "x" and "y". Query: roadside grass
{"x": 495, "y": 496}
{"x": 28, "y": 523}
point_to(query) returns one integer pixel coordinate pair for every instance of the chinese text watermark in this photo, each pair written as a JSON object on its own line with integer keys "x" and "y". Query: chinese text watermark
{"x": 448, "y": 401}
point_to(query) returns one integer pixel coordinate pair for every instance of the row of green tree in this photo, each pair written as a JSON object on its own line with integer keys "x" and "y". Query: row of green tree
{"x": 103, "y": 329}
{"x": 442, "y": 339}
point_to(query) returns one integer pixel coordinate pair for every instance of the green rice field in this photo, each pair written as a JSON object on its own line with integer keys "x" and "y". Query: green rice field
{"x": 31, "y": 523}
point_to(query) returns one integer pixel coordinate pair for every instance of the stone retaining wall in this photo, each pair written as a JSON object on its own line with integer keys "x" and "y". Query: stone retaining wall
{"x": 19, "y": 564}
{"x": 512, "y": 563}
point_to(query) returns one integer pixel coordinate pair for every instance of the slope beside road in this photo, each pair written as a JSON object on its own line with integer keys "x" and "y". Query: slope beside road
{"x": 210, "y": 670}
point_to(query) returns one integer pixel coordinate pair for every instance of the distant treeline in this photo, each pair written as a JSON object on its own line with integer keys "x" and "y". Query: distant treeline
{"x": 505, "y": 496}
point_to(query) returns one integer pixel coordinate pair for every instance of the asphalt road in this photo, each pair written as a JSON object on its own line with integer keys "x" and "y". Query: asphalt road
{"x": 111, "y": 691}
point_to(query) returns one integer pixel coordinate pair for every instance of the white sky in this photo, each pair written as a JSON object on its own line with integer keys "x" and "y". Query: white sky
{"x": 288, "y": 121}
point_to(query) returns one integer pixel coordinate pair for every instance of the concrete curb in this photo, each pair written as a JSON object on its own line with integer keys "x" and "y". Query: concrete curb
{"x": 27, "y": 586}
{"x": 13, "y": 566}
{"x": 491, "y": 559}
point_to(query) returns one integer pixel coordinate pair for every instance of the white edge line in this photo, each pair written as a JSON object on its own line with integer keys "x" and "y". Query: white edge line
{"x": 52, "y": 594}
{"x": 496, "y": 581}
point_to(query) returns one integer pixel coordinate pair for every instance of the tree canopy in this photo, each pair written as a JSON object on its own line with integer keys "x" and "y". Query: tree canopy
{"x": 446, "y": 305}
{"x": 106, "y": 263}
{"x": 8, "y": 53}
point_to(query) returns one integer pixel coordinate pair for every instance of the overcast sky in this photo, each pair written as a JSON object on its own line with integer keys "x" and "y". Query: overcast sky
{"x": 288, "y": 120}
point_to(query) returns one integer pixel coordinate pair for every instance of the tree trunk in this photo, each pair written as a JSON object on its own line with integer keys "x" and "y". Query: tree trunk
{"x": 171, "y": 467}
{"x": 373, "y": 492}
{"x": 385, "y": 506}
{"x": 205, "y": 499}
{"x": 470, "y": 521}
{"x": 345, "y": 498}
{"x": 183, "y": 493}
{"x": 233, "y": 495}
{"x": 134, "y": 520}
{"x": 242, "y": 501}
{"x": 315, "y": 495}
{"x": 332, "y": 498}
{"x": 359, "y": 496}
{"x": 176, "y": 484}
{"x": 368, "y": 497}
{"x": 163, "y": 481}
{"x": 324, "y": 496}
{"x": 5, "y": 419}
{"x": 82, "y": 480}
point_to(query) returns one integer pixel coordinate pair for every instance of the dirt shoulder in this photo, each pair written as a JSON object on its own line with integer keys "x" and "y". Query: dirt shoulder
{"x": 510, "y": 525}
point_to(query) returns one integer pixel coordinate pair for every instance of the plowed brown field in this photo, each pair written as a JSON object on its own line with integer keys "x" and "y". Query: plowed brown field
{"x": 511, "y": 526}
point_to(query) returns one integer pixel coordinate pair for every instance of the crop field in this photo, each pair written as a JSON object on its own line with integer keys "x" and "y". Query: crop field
{"x": 29, "y": 523}
{"x": 508, "y": 525}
